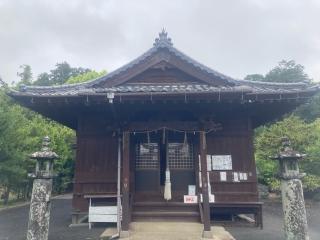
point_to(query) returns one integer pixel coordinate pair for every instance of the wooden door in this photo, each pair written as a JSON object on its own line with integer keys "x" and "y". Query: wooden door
{"x": 147, "y": 171}
{"x": 181, "y": 164}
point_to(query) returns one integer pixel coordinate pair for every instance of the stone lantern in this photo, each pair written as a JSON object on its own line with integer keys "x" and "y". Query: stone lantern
{"x": 44, "y": 158}
{"x": 39, "y": 215}
{"x": 295, "y": 220}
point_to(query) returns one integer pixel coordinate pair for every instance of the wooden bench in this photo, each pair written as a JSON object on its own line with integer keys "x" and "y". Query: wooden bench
{"x": 254, "y": 208}
{"x": 102, "y": 211}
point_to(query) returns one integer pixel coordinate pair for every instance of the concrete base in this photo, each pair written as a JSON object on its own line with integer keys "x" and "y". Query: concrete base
{"x": 79, "y": 225}
{"x": 206, "y": 235}
{"x": 124, "y": 234}
{"x": 169, "y": 231}
{"x": 109, "y": 233}
{"x": 79, "y": 217}
{"x": 219, "y": 233}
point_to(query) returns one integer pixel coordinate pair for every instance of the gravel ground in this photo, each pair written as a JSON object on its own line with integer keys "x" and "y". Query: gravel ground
{"x": 273, "y": 224}
{"x": 13, "y": 224}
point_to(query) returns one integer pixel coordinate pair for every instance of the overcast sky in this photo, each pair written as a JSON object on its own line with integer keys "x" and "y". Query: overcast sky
{"x": 234, "y": 37}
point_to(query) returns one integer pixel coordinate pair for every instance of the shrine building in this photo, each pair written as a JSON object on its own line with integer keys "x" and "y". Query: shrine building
{"x": 168, "y": 137}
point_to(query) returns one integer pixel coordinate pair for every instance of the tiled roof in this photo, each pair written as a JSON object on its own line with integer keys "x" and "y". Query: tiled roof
{"x": 165, "y": 89}
{"x": 163, "y": 42}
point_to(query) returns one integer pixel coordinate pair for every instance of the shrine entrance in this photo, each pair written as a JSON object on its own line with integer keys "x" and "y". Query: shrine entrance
{"x": 156, "y": 153}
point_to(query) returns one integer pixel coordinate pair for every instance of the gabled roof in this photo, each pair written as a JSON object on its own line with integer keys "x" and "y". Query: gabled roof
{"x": 163, "y": 50}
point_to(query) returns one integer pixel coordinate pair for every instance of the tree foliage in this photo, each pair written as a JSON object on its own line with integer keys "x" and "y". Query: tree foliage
{"x": 285, "y": 71}
{"x": 255, "y": 77}
{"x": 64, "y": 71}
{"x": 59, "y": 75}
{"x": 21, "y": 133}
{"x": 305, "y": 138}
{"x": 311, "y": 110}
{"x": 302, "y": 128}
{"x": 25, "y": 74}
{"x": 87, "y": 76}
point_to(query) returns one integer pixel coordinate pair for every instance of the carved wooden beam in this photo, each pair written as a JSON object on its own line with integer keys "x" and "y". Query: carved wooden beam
{"x": 206, "y": 126}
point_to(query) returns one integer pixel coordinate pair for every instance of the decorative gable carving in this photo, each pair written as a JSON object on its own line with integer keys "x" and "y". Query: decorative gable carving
{"x": 161, "y": 74}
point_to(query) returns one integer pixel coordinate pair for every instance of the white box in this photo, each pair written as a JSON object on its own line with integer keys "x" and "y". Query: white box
{"x": 235, "y": 177}
{"x": 209, "y": 162}
{"x": 223, "y": 176}
{"x": 211, "y": 198}
{"x": 191, "y": 190}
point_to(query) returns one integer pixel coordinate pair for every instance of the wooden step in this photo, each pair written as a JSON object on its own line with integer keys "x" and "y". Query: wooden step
{"x": 164, "y": 206}
{"x": 190, "y": 216}
{"x": 165, "y": 211}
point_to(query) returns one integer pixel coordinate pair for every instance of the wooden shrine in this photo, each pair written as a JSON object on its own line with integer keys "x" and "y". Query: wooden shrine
{"x": 169, "y": 113}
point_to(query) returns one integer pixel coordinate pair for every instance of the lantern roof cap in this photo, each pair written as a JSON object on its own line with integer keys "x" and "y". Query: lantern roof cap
{"x": 46, "y": 153}
{"x": 287, "y": 151}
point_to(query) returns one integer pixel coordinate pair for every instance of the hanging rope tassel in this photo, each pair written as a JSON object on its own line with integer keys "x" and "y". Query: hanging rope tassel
{"x": 148, "y": 137}
{"x": 164, "y": 136}
{"x": 167, "y": 184}
{"x": 185, "y": 146}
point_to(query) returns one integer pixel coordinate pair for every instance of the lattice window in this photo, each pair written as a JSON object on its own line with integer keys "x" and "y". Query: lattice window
{"x": 180, "y": 156}
{"x": 147, "y": 156}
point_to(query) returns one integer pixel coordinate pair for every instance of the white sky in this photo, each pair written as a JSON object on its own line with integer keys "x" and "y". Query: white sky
{"x": 235, "y": 37}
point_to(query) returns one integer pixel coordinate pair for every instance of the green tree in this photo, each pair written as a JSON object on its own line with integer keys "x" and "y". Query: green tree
{"x": 285, "y": 72}
{"x": 43, "y": 79}
{"x": 11, "y": 169}
{"x": 85, "y": 77}
{"x": 304, "y": 137}
{"x": 2, "y": 83}
{"x": 64, "y": 71}
{"x": 255, "y": 77}
{"x": 311, "y": 110}
{"x": 59, "y": 75}
{"x": 25, "y": 75}
{"x": 21, "y": 133}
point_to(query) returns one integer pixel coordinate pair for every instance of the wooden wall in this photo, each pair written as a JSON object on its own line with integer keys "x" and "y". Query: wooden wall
{"x": 236, "y": 139}
{"x": 96, "y": 162}
{"x": 96, "y": 165}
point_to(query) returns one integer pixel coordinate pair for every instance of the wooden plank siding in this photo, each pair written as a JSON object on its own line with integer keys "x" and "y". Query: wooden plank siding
{"x": 96, "y": 168}
{"x": 96, "y": 161}
{"x": 236, "y": 140}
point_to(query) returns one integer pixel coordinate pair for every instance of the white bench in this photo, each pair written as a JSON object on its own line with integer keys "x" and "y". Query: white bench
{"x": 100, "y": 212}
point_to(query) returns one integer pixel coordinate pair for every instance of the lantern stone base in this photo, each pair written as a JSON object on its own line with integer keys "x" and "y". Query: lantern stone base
{"x": 38, "y": 226}
{"x": 295, "y": 220}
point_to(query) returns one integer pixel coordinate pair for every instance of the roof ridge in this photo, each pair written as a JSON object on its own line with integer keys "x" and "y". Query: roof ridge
{"x": 161, "y": 42}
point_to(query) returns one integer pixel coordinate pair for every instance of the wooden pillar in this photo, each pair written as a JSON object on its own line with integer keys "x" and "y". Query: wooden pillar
{"x": 204, "y": 179}
{"x": 125, "y": 186}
